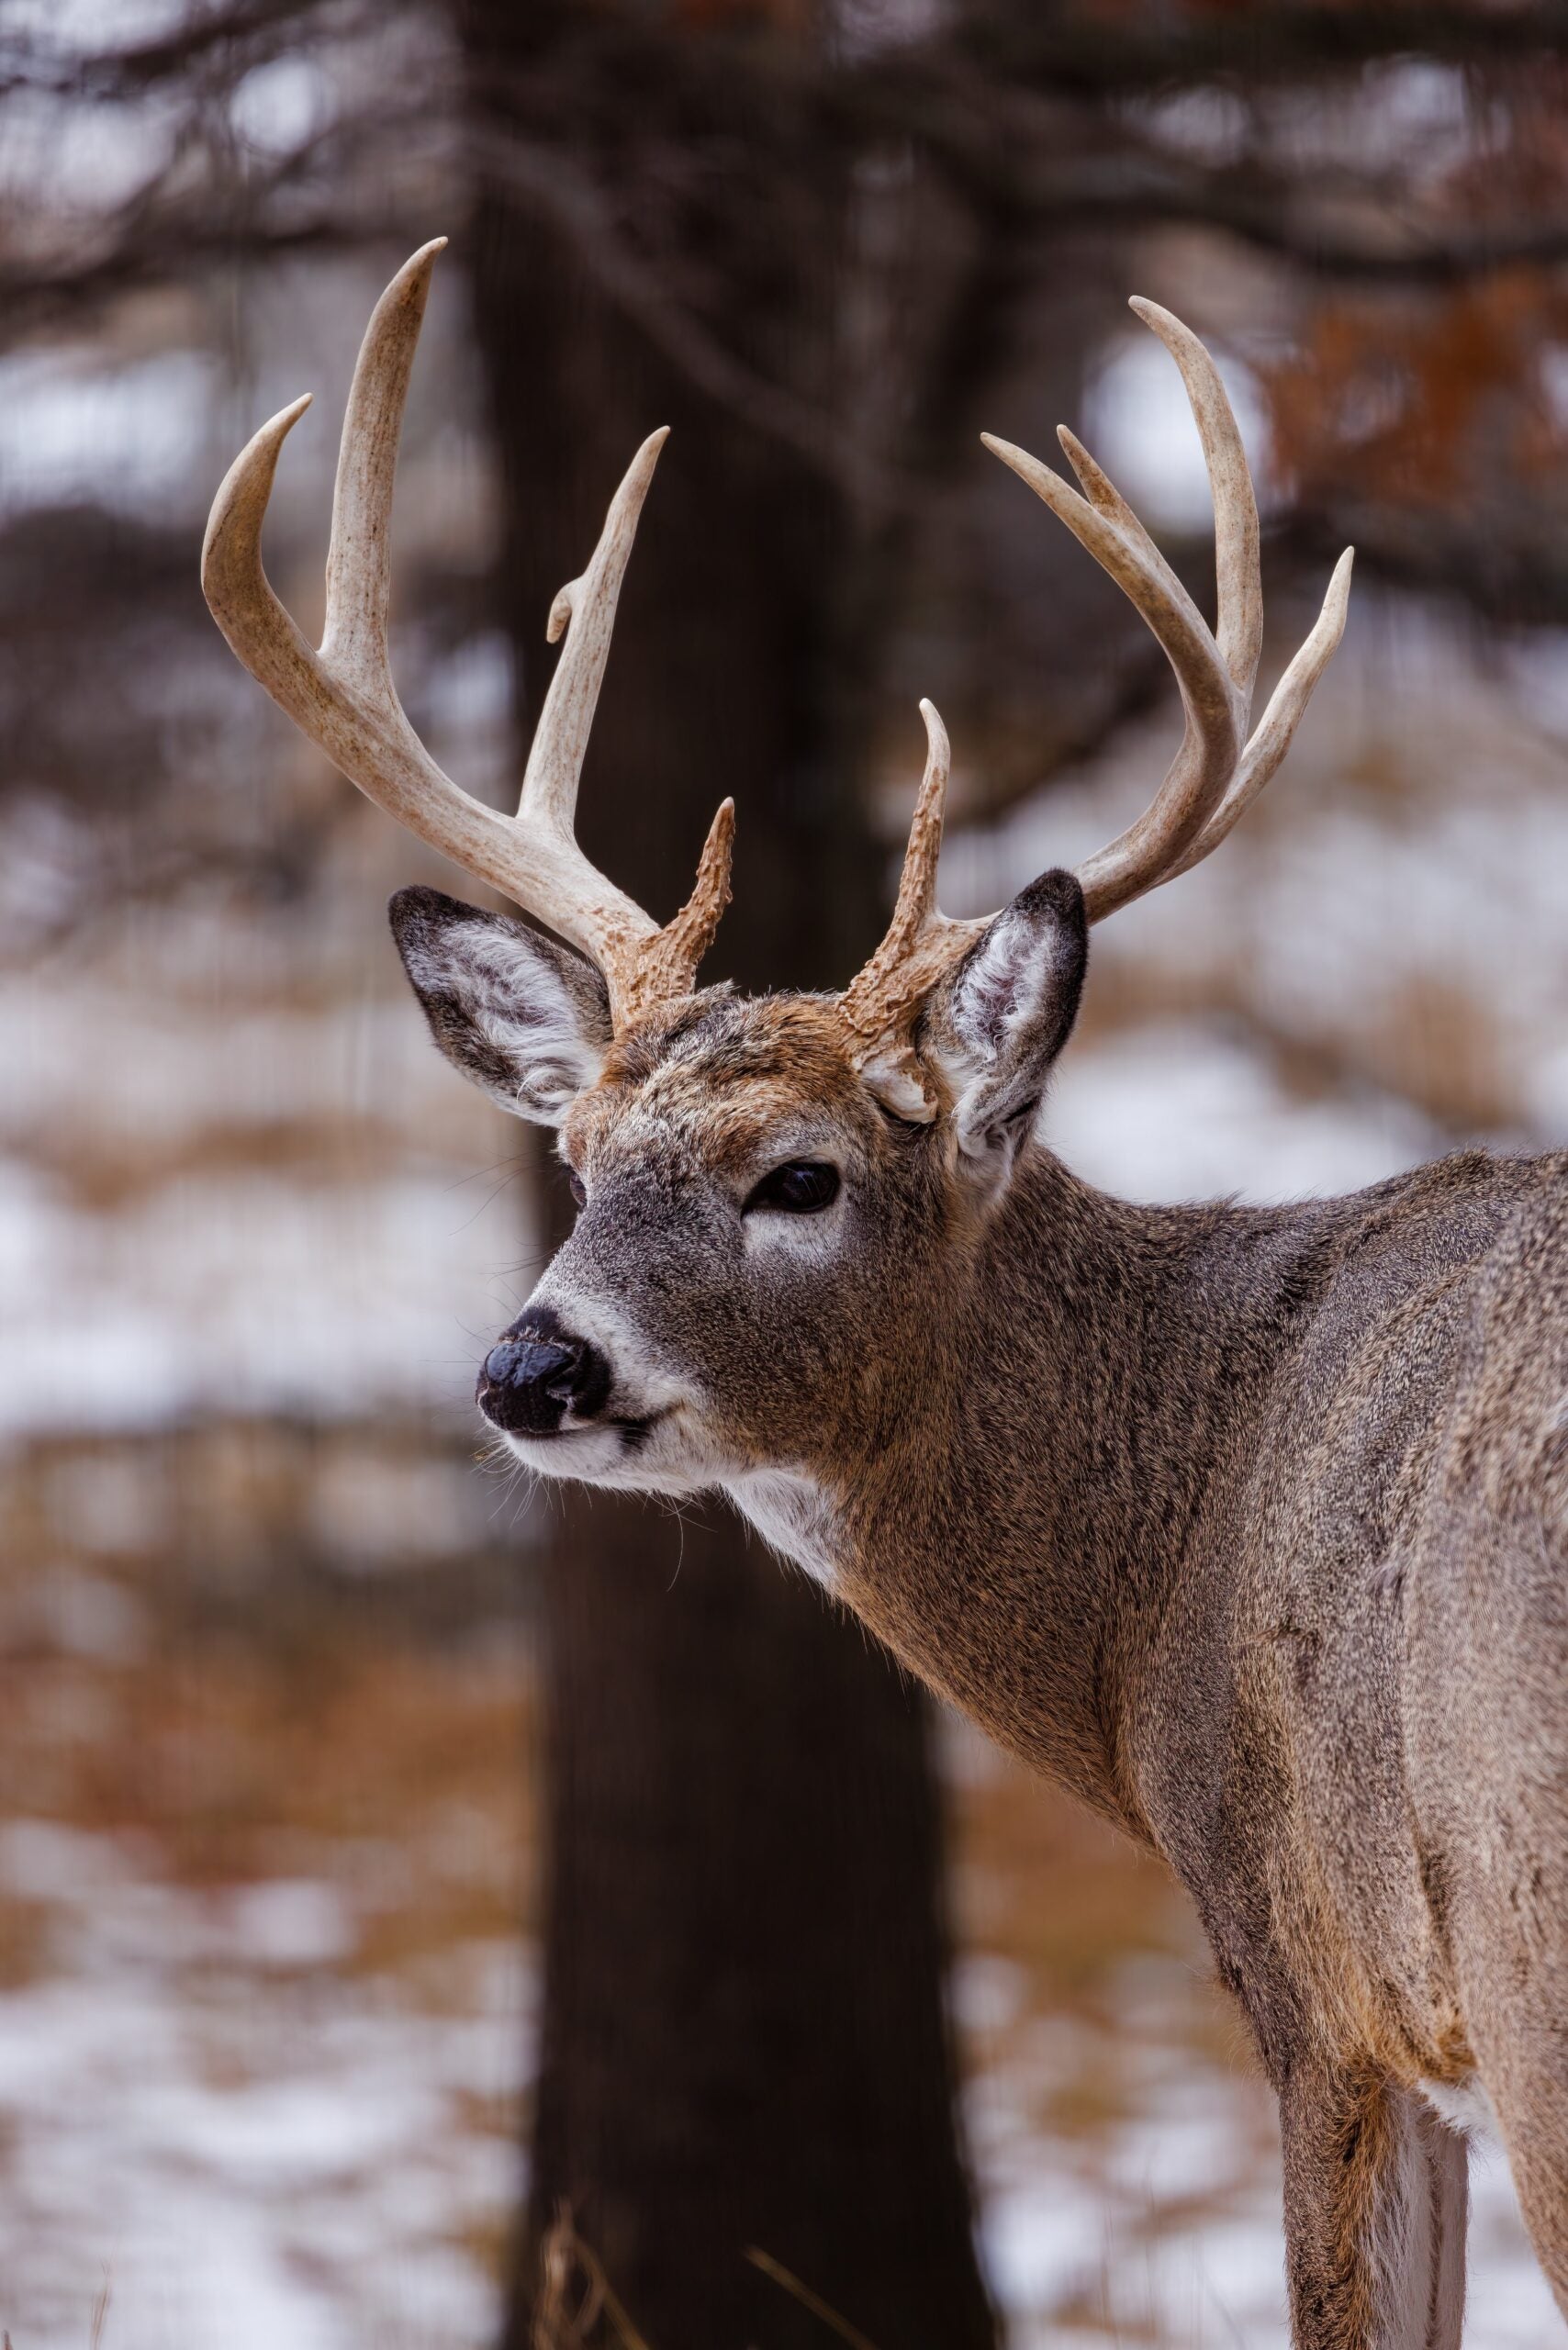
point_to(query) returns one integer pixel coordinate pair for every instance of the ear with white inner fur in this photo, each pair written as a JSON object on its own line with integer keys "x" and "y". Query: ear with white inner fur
{"x": 996, "y": 1026}
{"x": 521, "y": 1016}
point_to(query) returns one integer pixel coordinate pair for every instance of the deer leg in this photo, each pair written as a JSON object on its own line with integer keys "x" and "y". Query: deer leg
{"x": 1376, "y": 2194}
{"x": 1487, "y": 1723}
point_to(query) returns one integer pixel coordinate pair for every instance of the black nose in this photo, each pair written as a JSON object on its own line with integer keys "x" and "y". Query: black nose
{"x": 536, "y": 1373}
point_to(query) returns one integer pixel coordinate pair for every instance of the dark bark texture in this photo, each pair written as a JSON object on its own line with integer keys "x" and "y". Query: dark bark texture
{"x": 744, "y": 2041}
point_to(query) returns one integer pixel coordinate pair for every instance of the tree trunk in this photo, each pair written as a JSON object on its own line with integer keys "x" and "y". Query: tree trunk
{"x": 744, "y": 2041}
{"x": 743, "y": 2037}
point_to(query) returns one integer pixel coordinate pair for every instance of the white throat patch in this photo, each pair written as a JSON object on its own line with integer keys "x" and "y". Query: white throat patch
{"x": 793, "y": 1516}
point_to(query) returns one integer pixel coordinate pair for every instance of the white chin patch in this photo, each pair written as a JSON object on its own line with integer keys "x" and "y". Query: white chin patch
{"x": 632, "y": 1460}
{"x": 591, "y": 1453}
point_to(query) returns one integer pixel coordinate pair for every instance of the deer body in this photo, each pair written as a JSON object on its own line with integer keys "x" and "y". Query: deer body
{"x": 1248, "y": 1525}
{"x": 1191, "y": 1527}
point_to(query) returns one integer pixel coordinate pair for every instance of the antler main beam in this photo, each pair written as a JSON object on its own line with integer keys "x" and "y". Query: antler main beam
{"x": 343, "y": 697}
{"x": 1219, "y": 769}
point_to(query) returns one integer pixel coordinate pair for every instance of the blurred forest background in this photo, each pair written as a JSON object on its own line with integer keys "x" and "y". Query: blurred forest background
{"x": 391, "y": 1857}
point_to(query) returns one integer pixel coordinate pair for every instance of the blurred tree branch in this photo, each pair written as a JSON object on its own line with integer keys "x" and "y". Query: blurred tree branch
{"x": 694, "y": 162}
{"x": 1107, "y": 51}
{"x": 1025, "y": 111}
{"x": 34, "y": 62}
{"x": 1089, "y": 51}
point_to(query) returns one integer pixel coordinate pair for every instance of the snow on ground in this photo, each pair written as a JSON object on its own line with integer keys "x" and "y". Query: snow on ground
{"x": 266, "y": 2004}
{"x": 203, "y": 2119}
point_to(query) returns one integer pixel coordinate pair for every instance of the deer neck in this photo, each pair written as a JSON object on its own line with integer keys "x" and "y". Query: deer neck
{"x": 1051, "y": 1470}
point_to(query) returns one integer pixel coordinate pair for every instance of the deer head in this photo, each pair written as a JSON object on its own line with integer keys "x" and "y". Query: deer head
{"x": 777, "y": 1195}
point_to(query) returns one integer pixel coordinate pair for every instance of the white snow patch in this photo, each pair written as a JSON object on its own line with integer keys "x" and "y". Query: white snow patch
{"x": 251, "y": 2158}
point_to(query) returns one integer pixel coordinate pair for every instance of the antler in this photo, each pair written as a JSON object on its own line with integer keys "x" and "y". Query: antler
{"x": 343, "y": 697}
{"x": 1219, "y": 769}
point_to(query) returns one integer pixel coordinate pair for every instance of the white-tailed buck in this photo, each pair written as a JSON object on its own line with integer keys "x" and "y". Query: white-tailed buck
{"x": 1246, "y": 1524}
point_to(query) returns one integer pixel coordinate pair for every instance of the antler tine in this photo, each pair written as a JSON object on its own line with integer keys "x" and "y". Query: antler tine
{"x": 878, "y": 991}
{"x": 642, "y": 965}
{"x": 343, "y": 696}
{"x": 1238, "y": 570}
{"x": 359, "y": 555}
{"x": 584, "y": 612}
{"x": 1271, "y": 737}
{"x": 920, "y": 945}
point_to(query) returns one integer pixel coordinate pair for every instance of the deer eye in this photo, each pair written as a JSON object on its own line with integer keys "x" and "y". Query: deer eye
{"x": 577, "y": 1187}
{"x": 801, "y": 1187}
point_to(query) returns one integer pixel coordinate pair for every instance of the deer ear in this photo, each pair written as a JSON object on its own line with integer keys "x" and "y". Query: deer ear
{"x": 995, "y": 1027}
{"x": 524, "y": 1018}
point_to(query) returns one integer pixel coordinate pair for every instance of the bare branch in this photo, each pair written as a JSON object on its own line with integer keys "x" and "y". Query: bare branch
{"x": 553, "y": 184}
